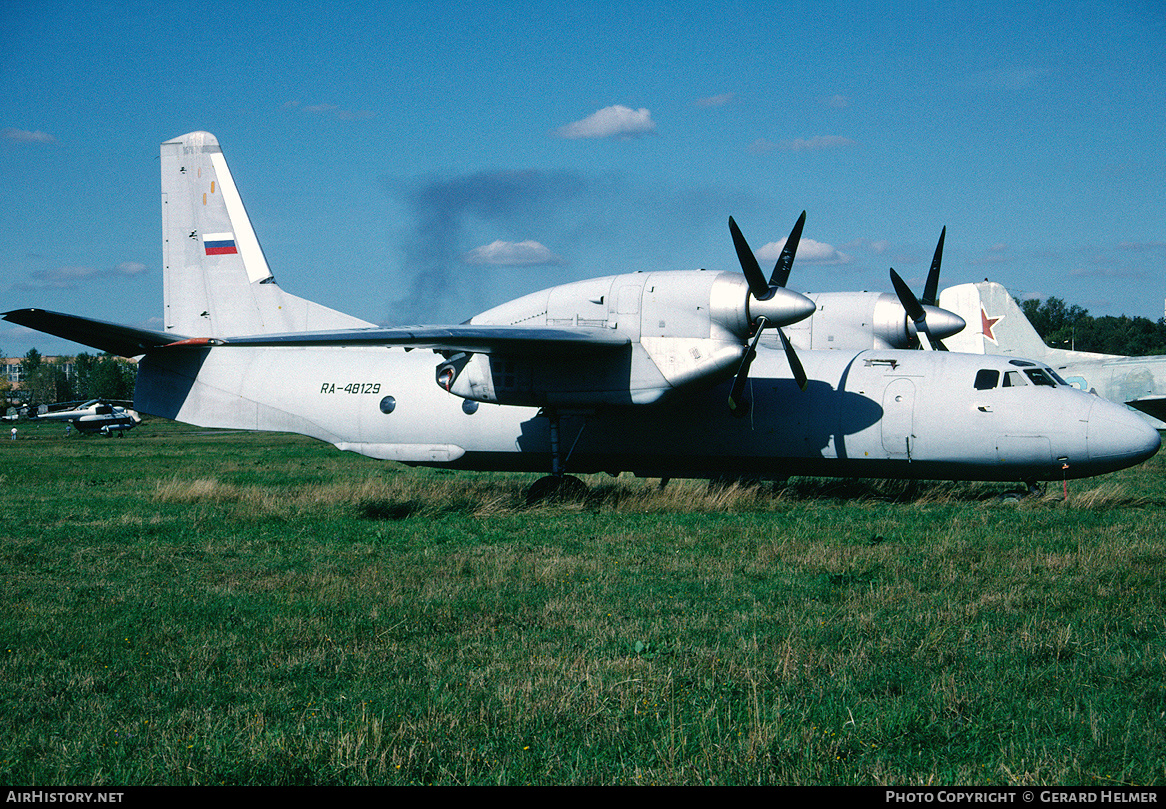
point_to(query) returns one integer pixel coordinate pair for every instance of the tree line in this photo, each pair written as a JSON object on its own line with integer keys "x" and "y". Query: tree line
{"x": 103, "y": 376}
{"x": 1063, "y": 326}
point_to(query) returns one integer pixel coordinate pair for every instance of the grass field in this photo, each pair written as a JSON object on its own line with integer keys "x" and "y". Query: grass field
{"x": 185, "y": 607}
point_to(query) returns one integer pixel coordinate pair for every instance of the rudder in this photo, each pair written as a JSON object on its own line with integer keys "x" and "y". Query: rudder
{"x": 216, "y": 279}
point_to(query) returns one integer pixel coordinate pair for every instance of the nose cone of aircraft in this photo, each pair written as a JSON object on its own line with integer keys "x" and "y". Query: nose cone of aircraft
{"x": 781, "y": 307}
{"x": 1118, "y": 436}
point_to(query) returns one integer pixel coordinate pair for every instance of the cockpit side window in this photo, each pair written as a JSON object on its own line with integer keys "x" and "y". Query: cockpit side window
{"x": 1014, "y": 379}
{"x": 1040, "y": 377}
{"x": 987, "y": 378}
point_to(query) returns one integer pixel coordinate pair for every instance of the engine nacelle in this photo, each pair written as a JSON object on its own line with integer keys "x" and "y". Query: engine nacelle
{"x": 685, "y": 329}
{"x": 862, "y": 320}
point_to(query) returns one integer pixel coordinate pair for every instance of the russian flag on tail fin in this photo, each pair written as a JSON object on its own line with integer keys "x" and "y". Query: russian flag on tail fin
{"x": 219, "y": 244}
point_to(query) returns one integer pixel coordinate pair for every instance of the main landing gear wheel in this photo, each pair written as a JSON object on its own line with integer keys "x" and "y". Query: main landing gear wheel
{"x": 556, "y": 488}
{"x": 1032, "y": 489}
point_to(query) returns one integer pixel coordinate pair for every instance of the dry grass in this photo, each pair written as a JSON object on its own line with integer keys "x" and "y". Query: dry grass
{"x": 401, "y": 496}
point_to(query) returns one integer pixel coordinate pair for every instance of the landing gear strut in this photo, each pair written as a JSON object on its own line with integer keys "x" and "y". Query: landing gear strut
{"x": 557, "y": 485}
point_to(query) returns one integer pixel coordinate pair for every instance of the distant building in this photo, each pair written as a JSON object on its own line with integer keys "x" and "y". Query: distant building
{"x": 12, "y": 370}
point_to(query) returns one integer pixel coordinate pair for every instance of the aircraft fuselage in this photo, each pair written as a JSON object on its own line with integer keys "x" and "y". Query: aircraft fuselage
{"x": 879, "y": 413}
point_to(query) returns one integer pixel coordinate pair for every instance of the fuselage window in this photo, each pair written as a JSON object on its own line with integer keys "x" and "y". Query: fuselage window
{"x": 987, "y": 378}
{"x": 388, "y": 405}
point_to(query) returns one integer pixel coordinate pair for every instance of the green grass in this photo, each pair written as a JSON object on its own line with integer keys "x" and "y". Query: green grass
{"x": 185, "y": 607}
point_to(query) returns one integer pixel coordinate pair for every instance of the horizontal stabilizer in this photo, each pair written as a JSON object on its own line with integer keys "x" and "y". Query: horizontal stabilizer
{"x": 124, "y": 341}
{"x": 475, "y": 339}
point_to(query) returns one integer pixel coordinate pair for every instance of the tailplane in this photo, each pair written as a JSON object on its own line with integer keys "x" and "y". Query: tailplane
{"x": 216, "y": 279}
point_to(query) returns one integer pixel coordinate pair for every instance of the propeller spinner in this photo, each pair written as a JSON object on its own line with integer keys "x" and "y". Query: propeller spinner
{"x": 768, "y": 304}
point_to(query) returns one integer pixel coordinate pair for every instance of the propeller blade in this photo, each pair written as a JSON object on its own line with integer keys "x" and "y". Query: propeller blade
{"x": 931, "y": 290}
{"x": 794, "y": 363}
{"x": 760, "y": 290}
{"x": 737, "y": 404}
{"x": 907, "y": 298}
{"x": 757, "y": 285}
{"x": 914, "y": 309}
{"x": 785, "y": 261}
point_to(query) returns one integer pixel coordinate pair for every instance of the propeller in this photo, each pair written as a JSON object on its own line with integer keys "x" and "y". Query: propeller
{"x": 761, "y": 292}
{"x": 931, "y": 288}
{"x": 931, "y": 323}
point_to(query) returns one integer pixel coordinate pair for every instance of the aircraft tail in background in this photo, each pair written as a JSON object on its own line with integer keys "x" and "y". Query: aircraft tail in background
{"x": 216, "y": 279}
{"x": 997, "y": 325}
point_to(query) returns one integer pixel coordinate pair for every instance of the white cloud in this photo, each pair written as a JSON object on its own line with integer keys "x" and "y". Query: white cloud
{"x": 808, "y": 250}
{"x": 512, "y": 254}
{"x": 73, "y": 277}
{"x": 63, "y": 277}
{"x": 330, "y": 110}
{"x": 1019, "y": 78}
{"x": 836, "y": 102}
{"x": 610, "y": 122}
{"x": 816, "y": 143}
{"x": 716, "y": 101}
{"x": 997, "y": 254}
{"x": 1140, "y": 246}
{"x": 24, "y": 136}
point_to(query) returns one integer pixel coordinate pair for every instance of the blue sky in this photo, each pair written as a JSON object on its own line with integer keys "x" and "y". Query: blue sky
{"x": 420, "y": 162}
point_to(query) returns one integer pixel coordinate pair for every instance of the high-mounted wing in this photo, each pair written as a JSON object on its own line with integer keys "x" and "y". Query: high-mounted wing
{"x": 130, "y": 342}
{"x": 113, "y": 338}
{"x": 546, "y": 341}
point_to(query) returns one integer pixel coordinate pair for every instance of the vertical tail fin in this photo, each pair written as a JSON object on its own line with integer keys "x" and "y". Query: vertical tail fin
{"x": 216, "y": 278}
{"x": 996, "y": 324}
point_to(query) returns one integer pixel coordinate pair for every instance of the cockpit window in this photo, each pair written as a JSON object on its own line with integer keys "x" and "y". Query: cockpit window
{"x": 1040, "y": 377}
{"x": 1054, "y": 375}
{"x": 1013, "y": 379}
{"x": 987, "y": 378}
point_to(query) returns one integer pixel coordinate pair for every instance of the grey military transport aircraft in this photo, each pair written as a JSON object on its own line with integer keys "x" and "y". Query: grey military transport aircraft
{"x": 663, "y": 374}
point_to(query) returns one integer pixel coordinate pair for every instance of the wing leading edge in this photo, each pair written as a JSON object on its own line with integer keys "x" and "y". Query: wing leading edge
{"x": 127, "y": 341}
